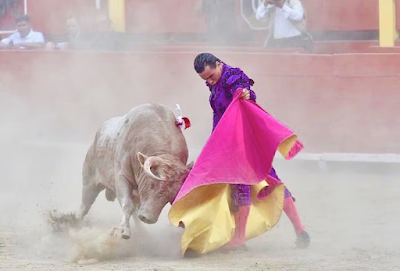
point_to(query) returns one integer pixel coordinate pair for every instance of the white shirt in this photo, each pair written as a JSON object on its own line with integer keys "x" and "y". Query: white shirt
{"x": 32, "y": 37}
{"x": 283, "y": 27}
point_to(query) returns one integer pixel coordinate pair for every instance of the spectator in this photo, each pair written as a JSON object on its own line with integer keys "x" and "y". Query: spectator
{"x": 24, "y": 37}
{"x": 102, "y": 23}
{"x": 287, "y": 24}
{"x": 74, "y": 39}
{"x": 101, "y": 38}
{"x": 104, "y": 36}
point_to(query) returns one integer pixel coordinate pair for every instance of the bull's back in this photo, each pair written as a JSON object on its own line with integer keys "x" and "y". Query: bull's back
{"x": 151, "y": 129}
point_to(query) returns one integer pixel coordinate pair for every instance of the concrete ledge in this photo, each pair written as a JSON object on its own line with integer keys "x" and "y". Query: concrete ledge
{"x": 330, "y": 163}
{"x": 195, "y": 152}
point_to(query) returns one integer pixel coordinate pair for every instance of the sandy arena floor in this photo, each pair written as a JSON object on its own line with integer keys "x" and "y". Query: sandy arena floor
{"x": 351, "y": 214}
{"x": 351, "y": 218}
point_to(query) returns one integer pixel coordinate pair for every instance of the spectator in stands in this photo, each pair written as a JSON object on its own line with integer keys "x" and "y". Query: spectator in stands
{"x": 74, "y": 39}
{"x": 102, "y": 23}
{"x": 102, "y": 37}
{"x": 24, "y": 37}
{"x": 287, "y": 24}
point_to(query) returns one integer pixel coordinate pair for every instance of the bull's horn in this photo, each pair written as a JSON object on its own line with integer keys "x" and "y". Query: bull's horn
{"x": 148, "y": 164}
{"x": 190, "y": 165}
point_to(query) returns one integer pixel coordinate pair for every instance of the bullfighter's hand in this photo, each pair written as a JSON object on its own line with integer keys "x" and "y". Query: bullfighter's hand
{"x": 245, "y": 94}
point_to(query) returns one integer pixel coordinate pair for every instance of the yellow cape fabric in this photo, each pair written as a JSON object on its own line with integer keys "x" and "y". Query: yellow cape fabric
{"x": 209, "y": 222}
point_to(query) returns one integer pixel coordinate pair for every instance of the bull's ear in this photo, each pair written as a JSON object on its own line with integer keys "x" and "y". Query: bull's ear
{"x": 141, "y": 157}
{"x": 190, "y": 165}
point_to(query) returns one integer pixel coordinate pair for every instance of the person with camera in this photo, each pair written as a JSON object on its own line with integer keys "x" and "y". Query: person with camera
{"x": 286, "y": 23}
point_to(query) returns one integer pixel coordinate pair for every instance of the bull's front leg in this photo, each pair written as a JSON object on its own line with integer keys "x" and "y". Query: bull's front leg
{"x": 124, "y": 194}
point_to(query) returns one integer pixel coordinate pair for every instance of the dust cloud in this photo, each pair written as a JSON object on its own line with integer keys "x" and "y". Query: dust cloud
{"x": 48, "y": 122}
{"x": 49, "y": 112}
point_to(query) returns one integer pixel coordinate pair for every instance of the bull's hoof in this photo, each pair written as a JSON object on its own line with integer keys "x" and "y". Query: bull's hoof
{"x": 126, "y": 233}
{"x": 126, "y": 236}
{"x": 121, "y": 232}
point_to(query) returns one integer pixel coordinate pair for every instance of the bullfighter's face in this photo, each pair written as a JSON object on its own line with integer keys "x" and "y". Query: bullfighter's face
{"x": 212, "y": 75}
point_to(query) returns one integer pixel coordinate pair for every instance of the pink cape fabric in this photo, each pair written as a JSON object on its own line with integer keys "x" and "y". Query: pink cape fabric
{"x": 241, "y": 148}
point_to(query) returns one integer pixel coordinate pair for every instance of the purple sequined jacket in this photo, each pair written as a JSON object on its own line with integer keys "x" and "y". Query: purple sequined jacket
{"x": 222, "y": 93}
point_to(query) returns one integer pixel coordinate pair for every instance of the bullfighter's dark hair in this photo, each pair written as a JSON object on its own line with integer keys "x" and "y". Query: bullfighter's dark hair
{"x": 203, "y": 60}
{"x": 22, "y": 18}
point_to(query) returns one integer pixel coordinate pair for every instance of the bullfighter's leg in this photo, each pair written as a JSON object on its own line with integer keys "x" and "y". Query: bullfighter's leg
{"x": 303, "y": 239}
{"x": 90, "y": 191}
{"x": 124, "y": 194}
{"x": 241, "y": 202}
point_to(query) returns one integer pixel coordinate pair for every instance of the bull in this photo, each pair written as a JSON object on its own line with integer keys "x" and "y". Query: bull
{"x": 139, "y": 158}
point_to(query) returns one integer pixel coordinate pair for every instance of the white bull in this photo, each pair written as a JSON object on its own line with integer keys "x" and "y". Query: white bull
{"x": 139, "y": 158}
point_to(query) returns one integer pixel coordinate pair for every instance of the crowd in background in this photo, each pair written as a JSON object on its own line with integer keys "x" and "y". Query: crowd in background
{"x": 101, "y": 37}
{"x": 286, "y": 21}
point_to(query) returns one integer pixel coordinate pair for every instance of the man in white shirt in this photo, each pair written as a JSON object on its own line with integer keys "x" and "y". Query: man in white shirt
{"x": 287, "y": 24}
{"x": 24, "y": 37}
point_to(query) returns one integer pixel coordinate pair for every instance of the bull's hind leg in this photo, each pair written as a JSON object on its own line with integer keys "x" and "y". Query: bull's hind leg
{"x": 90, "y": 191}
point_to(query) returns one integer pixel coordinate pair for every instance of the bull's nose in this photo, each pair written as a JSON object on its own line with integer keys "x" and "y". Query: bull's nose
{"x": 146, "y": 220}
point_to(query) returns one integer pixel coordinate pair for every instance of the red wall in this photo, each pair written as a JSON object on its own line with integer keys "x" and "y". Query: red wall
{"x": 342, "y": 15}
{"x": 172, "y": 16}
{"x": 336, "y": 103}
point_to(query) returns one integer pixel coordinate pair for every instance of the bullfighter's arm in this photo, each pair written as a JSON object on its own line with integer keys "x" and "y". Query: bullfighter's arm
{"x": 238, "y": 79}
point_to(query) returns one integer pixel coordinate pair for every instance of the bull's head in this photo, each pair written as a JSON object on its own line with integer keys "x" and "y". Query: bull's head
{"x": 159, "y": 183}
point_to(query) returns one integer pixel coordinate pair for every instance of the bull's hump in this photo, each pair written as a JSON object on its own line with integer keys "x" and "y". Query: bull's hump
{"x": 112, "y": 128}
{"x": 150, "y": 107}
{"x": 151, "y": 111}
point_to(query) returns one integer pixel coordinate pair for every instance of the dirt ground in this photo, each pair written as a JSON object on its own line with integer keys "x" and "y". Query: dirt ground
{"x": 350, "y": 216}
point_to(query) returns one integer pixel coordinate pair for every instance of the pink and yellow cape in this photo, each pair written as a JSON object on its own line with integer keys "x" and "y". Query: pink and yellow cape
{"x": 240, "y": 151}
